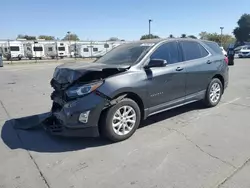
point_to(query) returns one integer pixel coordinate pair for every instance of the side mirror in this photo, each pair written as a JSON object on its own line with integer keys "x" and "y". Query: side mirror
{"x": 156, "y": 63}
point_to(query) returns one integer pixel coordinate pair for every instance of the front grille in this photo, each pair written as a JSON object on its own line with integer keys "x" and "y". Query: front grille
{"x": 57, "y": 86}
{"x": 52, "y": 124}
{"x": 56, "y": 107}
{"x": 245, "y": 53}
{"x": 59, "y": 92}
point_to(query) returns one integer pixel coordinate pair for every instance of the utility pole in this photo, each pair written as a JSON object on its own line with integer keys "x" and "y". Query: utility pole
{"x": 34, "y": 48}
{"x": 221, "y": 33}
{"x": 69, "y": 43}
{"x": 9, "y": 51}
{"x": 56, "y": 50}
{"x": 149, "y": 27}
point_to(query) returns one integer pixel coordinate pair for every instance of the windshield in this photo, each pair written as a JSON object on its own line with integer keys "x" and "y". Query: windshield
{"x": 125, "y": 54}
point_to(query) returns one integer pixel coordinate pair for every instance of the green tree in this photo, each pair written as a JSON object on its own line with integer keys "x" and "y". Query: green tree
{"x": 183, "y": 36}
{"x": 151, "y": 36}
{"x": 203, "y": 35}
{"x": 46, "y": 37}
{"x": 192, "y": 37}
{"x": 224, "y": 39}
{"x": 27, "y": 37}
{"x": 242, "y": 32}
{"x": 71, "y": 36}
{"x": 171, "y": 36}
{"x": 113, "y": 39}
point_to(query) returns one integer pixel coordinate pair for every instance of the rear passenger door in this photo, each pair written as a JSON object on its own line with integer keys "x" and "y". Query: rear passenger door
{"x": 196, "y": 59}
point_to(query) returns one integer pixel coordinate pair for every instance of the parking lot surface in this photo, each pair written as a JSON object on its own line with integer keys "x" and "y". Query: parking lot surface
{"x": 185, "y": 147}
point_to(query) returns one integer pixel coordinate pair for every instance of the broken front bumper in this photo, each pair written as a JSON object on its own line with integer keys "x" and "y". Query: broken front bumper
{"x": 77, "y": 118}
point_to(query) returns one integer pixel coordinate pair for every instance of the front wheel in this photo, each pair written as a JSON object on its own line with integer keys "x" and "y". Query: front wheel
{"x": 120, "y": 121}
{"x": 213, "y": 93}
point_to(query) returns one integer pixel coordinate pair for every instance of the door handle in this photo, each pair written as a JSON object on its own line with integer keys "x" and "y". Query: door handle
{"x": 179, "y": 69}
{"x": 209, "y": 62}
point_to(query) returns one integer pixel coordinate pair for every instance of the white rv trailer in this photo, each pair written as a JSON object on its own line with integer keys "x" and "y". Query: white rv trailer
{"x": 13, "y": 50}
{"x": 34, "y": 50}
{"x": 50, "y": 50}
{"x": 62, "y": 49}
{"x": 92, "y": 49}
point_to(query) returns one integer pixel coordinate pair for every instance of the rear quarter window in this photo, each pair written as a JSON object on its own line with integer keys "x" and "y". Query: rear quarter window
{"x": 193, "y": 50}
{"x": 214, "y": 46}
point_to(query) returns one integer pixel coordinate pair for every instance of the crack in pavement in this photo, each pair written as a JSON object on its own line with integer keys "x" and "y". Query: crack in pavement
{"x": 202, "y": 150}
{"x": 31, "y": 157}
{"x": 233, "y": 173}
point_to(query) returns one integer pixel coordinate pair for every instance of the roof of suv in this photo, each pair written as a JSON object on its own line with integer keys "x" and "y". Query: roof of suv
{"x": 168, "y": 39}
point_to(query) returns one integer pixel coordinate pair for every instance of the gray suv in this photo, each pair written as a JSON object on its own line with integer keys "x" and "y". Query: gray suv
{"x": 111, "y": 96}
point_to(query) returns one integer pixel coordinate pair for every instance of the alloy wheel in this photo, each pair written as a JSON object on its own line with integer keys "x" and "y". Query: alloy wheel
{"x": 124, "y": 120}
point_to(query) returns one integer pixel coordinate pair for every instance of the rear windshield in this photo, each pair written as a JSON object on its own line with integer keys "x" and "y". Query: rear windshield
{"x": 125, "y": 54}
{"x": 14, "y": 48}
{"x": 214, "y": 46}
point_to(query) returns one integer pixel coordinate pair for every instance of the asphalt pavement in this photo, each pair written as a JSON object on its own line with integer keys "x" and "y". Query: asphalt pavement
{"x": 188, "y": 147}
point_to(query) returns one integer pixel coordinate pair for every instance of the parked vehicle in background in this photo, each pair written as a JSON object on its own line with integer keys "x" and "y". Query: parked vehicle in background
{"x": 91, "y": 50}
{"x": 50, "y": 50}
{"x": 230, "y": 54}
{"x": 13, "y": 50}
{"x": 96, "y": 50}
{"x": 223, "y": 51}
{"x": 34, "y": 50}
{"x": 62, "y": 49}
{"x": 136, "y": 80}
{"x": 244, "y": 52}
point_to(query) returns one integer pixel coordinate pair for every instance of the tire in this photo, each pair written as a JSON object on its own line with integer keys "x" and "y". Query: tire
{"x": 106, "y": 124}
{"x": 231, "y": 62}
{"x": 215, "y": 83}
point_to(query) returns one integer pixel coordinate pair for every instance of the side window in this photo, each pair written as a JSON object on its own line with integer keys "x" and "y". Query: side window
{"x": 168, "y": 51}
{"x": 214, "y": 46}
{"x": 193, "y": 50}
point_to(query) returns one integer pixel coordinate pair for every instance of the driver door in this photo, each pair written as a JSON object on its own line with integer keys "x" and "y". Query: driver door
{"x": 166, "y": 85}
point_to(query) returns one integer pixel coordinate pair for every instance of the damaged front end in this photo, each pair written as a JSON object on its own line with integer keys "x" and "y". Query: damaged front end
{"x": 77, "y": 103}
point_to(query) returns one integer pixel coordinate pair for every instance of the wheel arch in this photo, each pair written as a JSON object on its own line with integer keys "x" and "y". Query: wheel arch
{"x": 221, "y": 78}
{"x": 131, "y": 95}
{"x": 135, "y": 97}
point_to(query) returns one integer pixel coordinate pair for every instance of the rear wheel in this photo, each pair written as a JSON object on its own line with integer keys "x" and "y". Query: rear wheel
{"x": 213, "y": 93}
{"x": 120, "y": 121}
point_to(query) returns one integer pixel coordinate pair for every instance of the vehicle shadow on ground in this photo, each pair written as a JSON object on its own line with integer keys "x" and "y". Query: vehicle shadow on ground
{"x": 39, "y": 141}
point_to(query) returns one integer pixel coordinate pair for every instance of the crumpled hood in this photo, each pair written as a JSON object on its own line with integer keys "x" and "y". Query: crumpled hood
{"x": 70, "y": 72}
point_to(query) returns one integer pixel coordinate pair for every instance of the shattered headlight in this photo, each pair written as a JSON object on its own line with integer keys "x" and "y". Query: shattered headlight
{"x": 83, "y": 90}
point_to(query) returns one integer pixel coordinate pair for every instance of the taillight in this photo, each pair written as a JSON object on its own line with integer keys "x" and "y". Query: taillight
{"x": 226, "y": 60}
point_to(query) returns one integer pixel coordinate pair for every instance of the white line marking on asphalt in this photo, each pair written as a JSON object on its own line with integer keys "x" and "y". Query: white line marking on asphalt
{"x": 207, "y": 113}
{"x": 229, "y": 102}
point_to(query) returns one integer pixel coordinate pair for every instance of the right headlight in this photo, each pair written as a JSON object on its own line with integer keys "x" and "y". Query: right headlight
{"x": 83, "y": 90}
